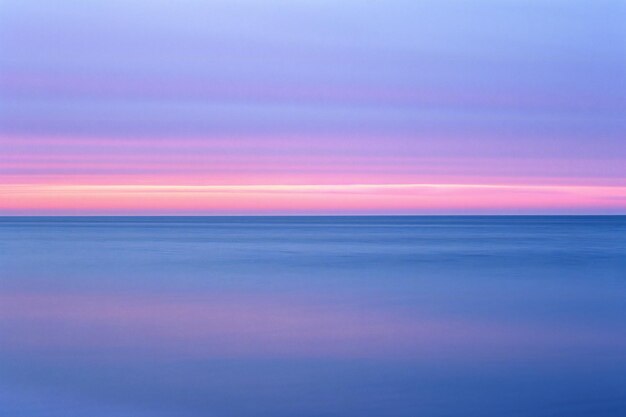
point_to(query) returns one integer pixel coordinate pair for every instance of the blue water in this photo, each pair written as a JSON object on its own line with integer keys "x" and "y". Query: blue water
{"x": 313, "y": 316}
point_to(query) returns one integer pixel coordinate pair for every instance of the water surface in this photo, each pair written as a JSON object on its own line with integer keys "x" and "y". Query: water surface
{"x": 312, "y": 316}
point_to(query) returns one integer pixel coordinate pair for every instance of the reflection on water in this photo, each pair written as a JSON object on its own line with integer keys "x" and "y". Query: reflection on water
{"x": 313, "y": 316}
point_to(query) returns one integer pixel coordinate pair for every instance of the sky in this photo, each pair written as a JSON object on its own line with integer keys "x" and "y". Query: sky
{"x": 312, "y": 107}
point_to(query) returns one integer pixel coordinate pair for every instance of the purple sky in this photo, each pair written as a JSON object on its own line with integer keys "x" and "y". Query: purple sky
{"x": 281, "y": 93}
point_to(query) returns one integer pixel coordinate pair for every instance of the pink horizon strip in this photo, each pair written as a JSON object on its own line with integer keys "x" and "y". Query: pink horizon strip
{"x": 295, "y": 198}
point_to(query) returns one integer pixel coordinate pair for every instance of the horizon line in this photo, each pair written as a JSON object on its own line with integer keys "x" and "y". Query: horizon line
{"x": 304, "y": 215}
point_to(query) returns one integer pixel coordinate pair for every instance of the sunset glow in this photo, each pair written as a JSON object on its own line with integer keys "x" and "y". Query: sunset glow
{"x": 306, "y": 198}
{"x": 312, "y": 107}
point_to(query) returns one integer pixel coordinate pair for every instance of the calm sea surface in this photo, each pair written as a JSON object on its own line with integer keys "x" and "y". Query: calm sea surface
{"x": 313, "y": 316}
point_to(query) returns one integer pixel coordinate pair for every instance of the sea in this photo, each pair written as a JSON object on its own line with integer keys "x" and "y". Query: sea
{"x": 381, "y": 316}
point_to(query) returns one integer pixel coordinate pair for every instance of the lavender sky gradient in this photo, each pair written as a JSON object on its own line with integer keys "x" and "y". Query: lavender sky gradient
{"x": 437, "y": 106}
